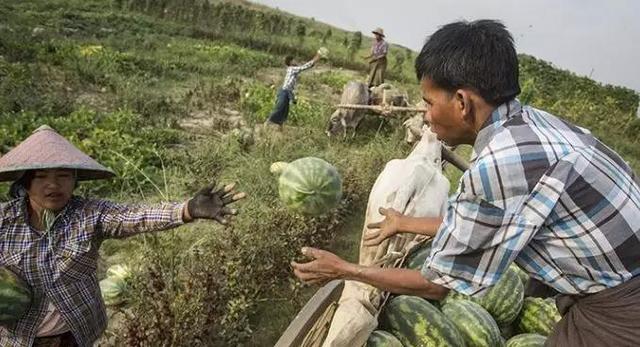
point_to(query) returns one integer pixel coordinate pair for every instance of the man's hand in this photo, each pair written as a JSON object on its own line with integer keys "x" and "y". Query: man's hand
{"x": 388, "y": 227}
{"x": 324, "y": 267}
{"x": 213, "y": 204}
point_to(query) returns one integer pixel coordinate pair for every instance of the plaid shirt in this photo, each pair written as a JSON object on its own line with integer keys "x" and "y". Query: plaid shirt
{"x": 291, "y": 77}
{"x": 547, "y": 195}
{"x": 61, "y": 264}
{"x": 379, "y": 48}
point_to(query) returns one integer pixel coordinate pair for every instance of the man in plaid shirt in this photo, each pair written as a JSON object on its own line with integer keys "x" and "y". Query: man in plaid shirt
{"x": 50, "y": 238}
{"x": 539, "y": 192}
{"x": 286, "y": 93}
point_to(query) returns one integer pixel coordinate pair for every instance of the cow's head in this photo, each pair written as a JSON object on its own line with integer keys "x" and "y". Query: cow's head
{"x": 335, "y": 125}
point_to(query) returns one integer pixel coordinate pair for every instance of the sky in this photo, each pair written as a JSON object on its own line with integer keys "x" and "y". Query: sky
{"x": 600, "y": 39}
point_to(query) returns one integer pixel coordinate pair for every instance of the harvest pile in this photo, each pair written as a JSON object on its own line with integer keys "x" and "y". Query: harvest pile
{"x": 501, "y": 317}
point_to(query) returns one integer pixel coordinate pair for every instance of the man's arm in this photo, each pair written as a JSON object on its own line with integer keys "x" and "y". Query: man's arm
{"x": 397, "y": 281}
{"x": 306, "y": 65}
{"x": 327, "y": 266}
{"x": 395, "y": 222}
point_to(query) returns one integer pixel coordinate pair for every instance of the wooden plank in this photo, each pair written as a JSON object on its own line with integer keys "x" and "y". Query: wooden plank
{"x": 312, "y": 310}
{"x": 385, "y": 109}
{"x": 454, "y": 159}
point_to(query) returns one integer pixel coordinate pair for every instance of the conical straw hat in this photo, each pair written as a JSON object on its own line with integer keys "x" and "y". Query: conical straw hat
{"x": 46, "y": 149}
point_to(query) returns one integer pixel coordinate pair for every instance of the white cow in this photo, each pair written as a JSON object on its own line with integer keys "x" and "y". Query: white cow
{"x": 414, "y": 186}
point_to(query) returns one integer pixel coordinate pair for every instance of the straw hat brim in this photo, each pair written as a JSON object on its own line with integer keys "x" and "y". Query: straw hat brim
{"x": 46, "y": 149}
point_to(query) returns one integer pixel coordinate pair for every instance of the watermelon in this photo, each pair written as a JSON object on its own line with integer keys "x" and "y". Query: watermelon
{"x": 527, "y": 340}
{"x": 504, "y": 300}
{"x": 416, "y": 259}
{"x": 523, "y": 275}
{"x": 112, "y": 291}
{"x": 538, "y": 316}
{"x": 15, "y": 296}
{"x": 416, "y": 322}
{"x": 474, "y": 323}
{"x": 309, "y": 186}
{"x": 455, "y": 296}
{"x": 381, "y": 338}
{"x": 114, "y": 286}
{"x": 120, "y": 272}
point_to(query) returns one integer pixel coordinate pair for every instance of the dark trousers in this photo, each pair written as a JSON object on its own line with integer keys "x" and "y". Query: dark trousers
{"x": 281, "y": 110}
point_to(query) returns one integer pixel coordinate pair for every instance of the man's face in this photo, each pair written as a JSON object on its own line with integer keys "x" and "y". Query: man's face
{"x": 51, "y": 189}
{"x": 445, "y": 115}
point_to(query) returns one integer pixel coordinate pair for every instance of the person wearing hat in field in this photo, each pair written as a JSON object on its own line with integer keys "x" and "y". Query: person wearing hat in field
{"x": 50, "y": 237}
{"x": 377, "y": 58}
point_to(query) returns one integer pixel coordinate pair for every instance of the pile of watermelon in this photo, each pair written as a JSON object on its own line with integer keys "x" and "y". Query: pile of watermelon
{"x": 502, "y": 317}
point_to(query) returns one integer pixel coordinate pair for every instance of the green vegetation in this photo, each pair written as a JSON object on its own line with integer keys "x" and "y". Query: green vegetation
{"x": 155, "y": 90}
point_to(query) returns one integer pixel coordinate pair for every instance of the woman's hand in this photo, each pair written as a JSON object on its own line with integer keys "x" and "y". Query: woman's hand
{"x": 213, "y": 204}
{"x": 388, "y": 227}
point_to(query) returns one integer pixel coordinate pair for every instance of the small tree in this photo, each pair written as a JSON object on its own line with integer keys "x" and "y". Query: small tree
{"x": 326, "y": 36}
{"x": 301, "y": 31}
{"x": 400, "y": 58}
{"x": 356, "y": 43}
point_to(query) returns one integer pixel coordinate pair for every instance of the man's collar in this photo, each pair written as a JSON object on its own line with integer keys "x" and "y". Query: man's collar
{"x": 499, "y": 115}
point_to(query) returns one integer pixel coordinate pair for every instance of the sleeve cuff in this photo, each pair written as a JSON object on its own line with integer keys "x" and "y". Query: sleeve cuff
{"x": 459, "y": 285}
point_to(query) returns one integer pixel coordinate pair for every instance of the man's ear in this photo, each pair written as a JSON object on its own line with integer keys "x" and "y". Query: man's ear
{"x": 464, "y": 105}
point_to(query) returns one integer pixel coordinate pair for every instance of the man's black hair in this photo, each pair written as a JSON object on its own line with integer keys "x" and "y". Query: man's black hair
{"x": 478, "y": 55}
{"x": 287, "y": 60}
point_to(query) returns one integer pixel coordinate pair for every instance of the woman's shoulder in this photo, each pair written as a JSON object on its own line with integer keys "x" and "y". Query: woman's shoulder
{"x": 11, "y": 207}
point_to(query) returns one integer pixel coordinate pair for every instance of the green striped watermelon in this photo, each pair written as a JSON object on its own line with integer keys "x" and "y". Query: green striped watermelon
{"x": 416, "y": 259}
{"x": 15, "y": 296}
{"x": 310, "y": 186}
{"x": 456, "y": 296}
{"x": 523, "y": 275}
{"x": 538, "y": 316}
{"x": 504, "y": 300}
{"x": 112, "y": 291}
{"x": 113, "y": 287}
{"x": 381, "y": 338}
{"x": 527, "y": 340}
{"x": 416, "y": 323}
{"x": 474, "y": 323}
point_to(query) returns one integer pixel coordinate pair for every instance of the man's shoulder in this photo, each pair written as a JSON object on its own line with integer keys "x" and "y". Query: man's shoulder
{"x": 535, "y": 130}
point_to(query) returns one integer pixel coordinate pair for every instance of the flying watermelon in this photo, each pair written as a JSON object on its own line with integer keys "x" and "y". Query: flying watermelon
{"x": 309, "y": 186}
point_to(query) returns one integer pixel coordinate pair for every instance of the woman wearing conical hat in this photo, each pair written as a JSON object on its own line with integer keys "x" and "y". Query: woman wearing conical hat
{"x": 377, "y": 59}
{"x": 50, "y": 238}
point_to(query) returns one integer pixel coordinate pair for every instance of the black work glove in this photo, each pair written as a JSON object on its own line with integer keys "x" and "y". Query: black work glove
{"x": 213, "y": 204}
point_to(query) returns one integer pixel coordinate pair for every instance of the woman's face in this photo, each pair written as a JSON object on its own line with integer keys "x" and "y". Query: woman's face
{"x": 51, "y": 189}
